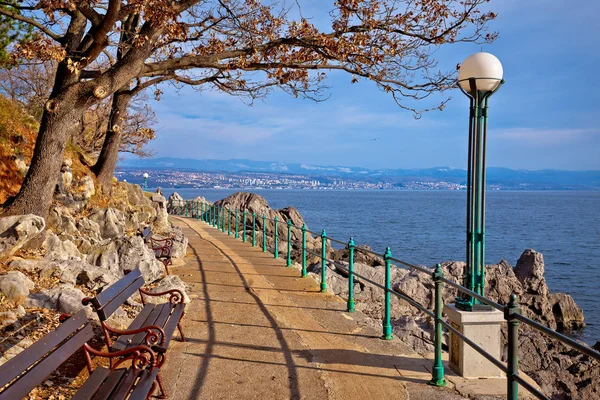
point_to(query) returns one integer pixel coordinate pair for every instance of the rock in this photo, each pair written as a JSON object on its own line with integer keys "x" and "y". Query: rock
{"x": 66, "y": 176}
{"x": 134, "y": 253}
{"x": 15, "y": 285}
{"x": 566, "y": 312}
{"x": 90, "y": 229}
{"x": 20, "y": 163}
{"x": 530, "y": 272}
{"x": 161, "y": 222}
{"x": 111, "y": 222}
{"x": 136, "y": 195}
{"x": 106, "y": 256}
{"x": 416, "y": 332}
{"x": 167, "y": 283}
{"x": 180, "y": 243}
{"x": 254, "y": 203}
{"x": 28, "y": 265}
{"x": 17, "y": 230}
{"x": 57, "y": 249}
{"x": 64, "y": 298}
{"x": 66, "y": 271}
{"x": 87, "y": 187}
{"x": 60, "y": 220}
{"x": 175, "y": 200}
{"x": 359, "y": 256}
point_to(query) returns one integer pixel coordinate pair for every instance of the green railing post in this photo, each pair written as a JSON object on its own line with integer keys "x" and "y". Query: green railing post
{"x": 212, "y": 216}
{"x": 289, "y": 244}
{"x": 237, "y": 232}
{"x": 276, "y": 236}
{"x": 351, "y": 246}
{"x": 219, "y": 217}
{"x": 304, "y": 250}
{"x": 197, "y": 210}
{"x": 253, "y": 229}
{"x": 323, "y": 261}
{"x": 513, "y": 347}
{"x": 264, "y": 233}
{"x": 244, "y": 226}
{"x": 187, "y": 208}
{"x": 387, "y": 324}
{"x": 223, "y": 219}
{"x": 229, "y": 222}
{"x": 437, "y": 373}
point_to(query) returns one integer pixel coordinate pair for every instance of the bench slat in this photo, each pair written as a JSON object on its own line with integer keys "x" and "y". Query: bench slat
{"x": 10, "y": 370}
{"x": 39, "y": 372}
{"x": 152, "y": 320}
{"x": 126, "y": 384}
{"x": 113, "y": 290}
{"x": 144, "y": 385}
{"x": 113, "y": 304}
{"x": 109, "y": 384}
{"x": 91, "y": 386}
{"x": 171, "y": 325}
{"x": 138, "y": 322}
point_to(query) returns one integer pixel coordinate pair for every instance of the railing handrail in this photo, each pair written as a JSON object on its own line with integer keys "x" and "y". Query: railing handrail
{"x": 511, "y": 310}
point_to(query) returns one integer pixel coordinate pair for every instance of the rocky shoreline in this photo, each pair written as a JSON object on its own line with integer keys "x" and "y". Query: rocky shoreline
{"x": 47, "y": 266}
{"x": 561, "y": 372}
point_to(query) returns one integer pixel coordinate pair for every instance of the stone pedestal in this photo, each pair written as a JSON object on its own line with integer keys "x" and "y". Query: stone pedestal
{"x": 483, "y": 328}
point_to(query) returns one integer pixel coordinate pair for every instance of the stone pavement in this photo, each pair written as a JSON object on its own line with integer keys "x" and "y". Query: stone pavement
{"x": 256, "y": 330}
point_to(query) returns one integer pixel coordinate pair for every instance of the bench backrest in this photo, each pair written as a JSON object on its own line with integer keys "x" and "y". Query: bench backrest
{"x": 111, "y": 298}
{"x": 33, "y": 365}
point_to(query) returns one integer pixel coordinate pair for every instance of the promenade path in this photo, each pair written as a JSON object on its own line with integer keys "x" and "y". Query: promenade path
{"x": 256, "y": 330}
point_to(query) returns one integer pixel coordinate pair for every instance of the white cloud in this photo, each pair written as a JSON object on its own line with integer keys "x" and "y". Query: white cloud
{"x": 543, "y": 136}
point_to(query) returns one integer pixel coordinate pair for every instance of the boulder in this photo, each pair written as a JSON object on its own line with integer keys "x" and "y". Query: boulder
{"x": 175, "y": 200}
{"x": 66, "y": 176}
{"x": 167, "y": 283}
{"x": 566, "y": 312}
{"x": 17, "y": 230}
{"x": 110, "y": 221}
{"x": 106, "y": 256}
{"x": 161, "y": 222}
{"x": 57, "y": 249}
{"x": 15, "y": 285}
{"x": 28, "y": 265}
{"x": 134, "y": 253}
{"x": 64, "y": 298}
{"x": 61, "y": 221}
{"x": 180, "y": 243}
{"x": 87, "y": 188}
{"x": 530, "y": 272}
{"x": 90, "y": 229}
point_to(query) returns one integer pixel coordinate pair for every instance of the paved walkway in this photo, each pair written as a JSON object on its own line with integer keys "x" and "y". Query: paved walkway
{"x": 256, "y": 330}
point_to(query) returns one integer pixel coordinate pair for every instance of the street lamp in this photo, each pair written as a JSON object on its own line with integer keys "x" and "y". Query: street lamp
{"x": 479, "y": 77}
{"x": 146, "y": 180}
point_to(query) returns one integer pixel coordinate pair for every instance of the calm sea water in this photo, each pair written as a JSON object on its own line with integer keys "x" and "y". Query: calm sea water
{"x": 427, "y": 227}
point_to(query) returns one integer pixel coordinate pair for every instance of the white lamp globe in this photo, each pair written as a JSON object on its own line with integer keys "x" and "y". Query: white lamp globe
{"x": 146, "y": 175}
{"x": 480, "y": 65}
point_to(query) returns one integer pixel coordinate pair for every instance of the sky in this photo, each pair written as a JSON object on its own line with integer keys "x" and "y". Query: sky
{"x": 544, "y": 117}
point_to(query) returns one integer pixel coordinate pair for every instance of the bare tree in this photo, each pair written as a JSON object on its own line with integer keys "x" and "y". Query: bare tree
{"x": 389, "y": 42}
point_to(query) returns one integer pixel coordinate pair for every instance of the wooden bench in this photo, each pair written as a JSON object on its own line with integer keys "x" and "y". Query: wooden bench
{"x": 21, "y": 374}
{"x": 154, "y": 326}
{"x": 162, "y": 247}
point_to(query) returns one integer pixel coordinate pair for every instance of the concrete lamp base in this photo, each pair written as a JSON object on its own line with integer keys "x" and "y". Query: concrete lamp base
{"x": 483, "y": 328}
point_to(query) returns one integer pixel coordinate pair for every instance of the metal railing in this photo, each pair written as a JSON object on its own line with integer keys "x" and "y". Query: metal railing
{"x": 222, "y": 217}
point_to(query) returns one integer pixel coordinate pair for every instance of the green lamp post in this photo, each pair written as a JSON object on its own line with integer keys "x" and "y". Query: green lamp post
{"x": 479, "y": 77}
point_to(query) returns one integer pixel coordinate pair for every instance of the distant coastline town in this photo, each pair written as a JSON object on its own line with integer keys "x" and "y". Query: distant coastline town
{"x": 174, "y": 178}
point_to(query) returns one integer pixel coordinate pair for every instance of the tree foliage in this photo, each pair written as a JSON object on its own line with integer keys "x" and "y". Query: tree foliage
{"x": 247, "y": 47}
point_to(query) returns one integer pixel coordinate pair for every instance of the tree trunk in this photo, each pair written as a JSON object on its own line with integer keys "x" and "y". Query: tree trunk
{"x": 107, "y": 160}
{"x": 55, "y": 130}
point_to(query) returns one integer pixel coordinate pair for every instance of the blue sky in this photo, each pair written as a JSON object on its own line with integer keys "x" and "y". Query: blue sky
{"x": 545, "y": 116}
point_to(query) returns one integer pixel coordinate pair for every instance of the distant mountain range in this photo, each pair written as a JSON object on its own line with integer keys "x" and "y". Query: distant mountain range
{"x": 540, "y": 179}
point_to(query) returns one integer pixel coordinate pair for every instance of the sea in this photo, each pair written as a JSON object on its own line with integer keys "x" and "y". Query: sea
{"x": 428, "y": 227}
